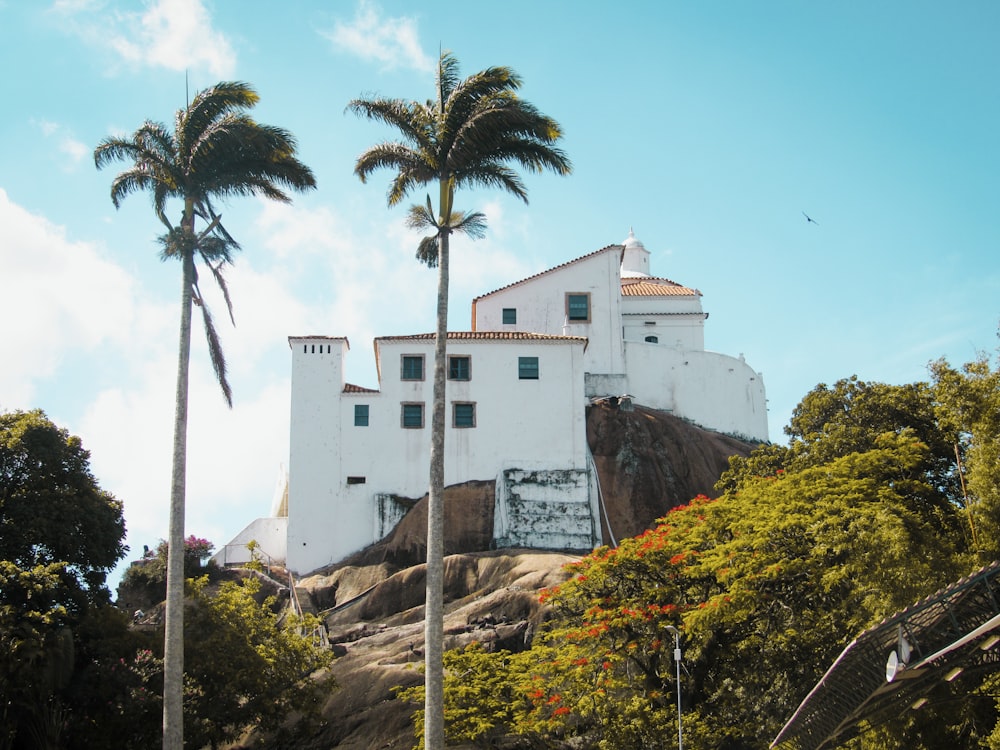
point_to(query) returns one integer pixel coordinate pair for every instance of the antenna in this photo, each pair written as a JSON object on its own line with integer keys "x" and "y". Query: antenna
{"x": 187, "y": 94}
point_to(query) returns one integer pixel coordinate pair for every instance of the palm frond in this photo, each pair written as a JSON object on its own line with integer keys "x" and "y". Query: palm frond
{"x": 420, "y": 217}
{"x": 472, "y": 224}
{"x": 428, "y": 249}
{"x": 215, "y": 352}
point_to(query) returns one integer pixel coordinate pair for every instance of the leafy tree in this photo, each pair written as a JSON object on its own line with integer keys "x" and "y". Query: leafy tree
{"x": 248, "y": 665}
{"x": 60, "y": 534}
{"x": 466, "y": 137}
{"x": 149, "y": 575}
{"x": 216, "y": 150}
{"x": 51, "y": 508}
{"x": 968, "y": 405}
{"x": 36, "y": 651}
{"x": 767, "y": 585}
{"x": 851, "y": 417}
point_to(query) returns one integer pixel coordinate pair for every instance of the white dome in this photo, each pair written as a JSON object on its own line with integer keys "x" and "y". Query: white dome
{"x": 635, "y": 260}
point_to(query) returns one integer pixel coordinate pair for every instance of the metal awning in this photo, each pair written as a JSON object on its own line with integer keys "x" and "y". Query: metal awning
{"x": 896, "y": 664}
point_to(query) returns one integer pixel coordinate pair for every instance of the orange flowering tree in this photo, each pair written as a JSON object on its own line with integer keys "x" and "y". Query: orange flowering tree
{"x": 766, "y": 585}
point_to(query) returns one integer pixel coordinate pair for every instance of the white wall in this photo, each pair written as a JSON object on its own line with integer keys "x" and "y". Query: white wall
{"x": 713, "y": 390}
{"x": 271, "y": 536}
{"x": 519, "y": 423}
{"x": 540, "y": 302}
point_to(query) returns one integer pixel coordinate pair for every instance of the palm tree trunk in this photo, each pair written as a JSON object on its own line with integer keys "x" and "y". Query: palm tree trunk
{"x": 434, "y": 604}
{"x": 173, "y": 646}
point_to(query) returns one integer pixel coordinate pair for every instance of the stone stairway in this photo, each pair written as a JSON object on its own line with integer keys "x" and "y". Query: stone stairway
{"x": 546, "y": 509}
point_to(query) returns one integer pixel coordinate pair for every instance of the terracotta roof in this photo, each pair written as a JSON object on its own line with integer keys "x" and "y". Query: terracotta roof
{"x": 653, "y": 287}
{"x": 619, "y": 248}
{"x": 487, "y": 336}
{"x": 318, "y": 338}
{"x": 351, "y": 388}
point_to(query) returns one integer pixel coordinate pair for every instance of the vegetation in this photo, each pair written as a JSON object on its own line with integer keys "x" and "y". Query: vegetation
{"x": 861, "y": 515}
{"x": 466, "y": 137}
{"x": 216, "y": 150}
{"x": 149, "y": 575}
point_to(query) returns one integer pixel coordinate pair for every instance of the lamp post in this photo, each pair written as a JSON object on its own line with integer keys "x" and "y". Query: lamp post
{"x": 677, "y": 663}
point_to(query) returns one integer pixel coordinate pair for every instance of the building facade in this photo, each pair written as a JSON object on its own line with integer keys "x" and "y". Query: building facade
{"x": 518, "y": 385}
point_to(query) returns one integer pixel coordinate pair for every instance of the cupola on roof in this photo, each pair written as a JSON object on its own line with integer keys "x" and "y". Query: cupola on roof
{"x": 635, "y": 258}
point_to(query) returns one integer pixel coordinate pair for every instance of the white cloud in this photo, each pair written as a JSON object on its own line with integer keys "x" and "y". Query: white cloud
{"x": 60, "y": 298}
{"x": 67, "y": 143}
{"x": 172, "y": 34}
{"x": 392, "y": 42}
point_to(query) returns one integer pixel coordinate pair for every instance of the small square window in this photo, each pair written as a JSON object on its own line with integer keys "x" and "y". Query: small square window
{"x": 459, "y": 368}
{"x": 578, "y": 307}
{"x": 413, "y": 416}
{"x": 412, "y": 367}
{"x": 527, "y": 368}
{"x": 509, "y": 315}
{"x": 361, "y": 415}
{"x": 464, "y": 415}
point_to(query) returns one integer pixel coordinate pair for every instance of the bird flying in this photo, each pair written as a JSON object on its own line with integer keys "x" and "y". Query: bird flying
{"x": 810, "y": 219}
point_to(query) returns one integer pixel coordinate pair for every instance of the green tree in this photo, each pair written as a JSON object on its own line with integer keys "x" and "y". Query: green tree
{"x": 51, "y": 508}
{"x": 467, "y": 136}
{"x": 851, "y": 417}
{"x": 249, "y": 665}
{"x": 36, "y": 652}
{"x": 149, "y": 575}
{"x": 968, "y": 405}
{"x": 767, "y": 585}
{"x": 216, "y": 150}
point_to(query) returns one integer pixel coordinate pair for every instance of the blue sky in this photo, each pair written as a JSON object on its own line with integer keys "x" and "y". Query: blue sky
{"x": 707, "y": 127}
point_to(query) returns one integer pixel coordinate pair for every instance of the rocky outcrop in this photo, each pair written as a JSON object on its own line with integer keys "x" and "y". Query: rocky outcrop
{"x": 647, "y": 462}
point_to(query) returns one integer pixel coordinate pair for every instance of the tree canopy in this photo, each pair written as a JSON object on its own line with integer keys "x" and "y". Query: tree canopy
{"x": 51, "y": 508}
{"x": 810, "y": 544}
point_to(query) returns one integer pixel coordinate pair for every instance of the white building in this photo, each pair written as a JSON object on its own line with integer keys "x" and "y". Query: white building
{"x": 517, "y": 391}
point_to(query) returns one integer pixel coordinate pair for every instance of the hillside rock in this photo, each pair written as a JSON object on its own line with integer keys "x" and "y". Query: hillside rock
{"x": 647, "y": 461}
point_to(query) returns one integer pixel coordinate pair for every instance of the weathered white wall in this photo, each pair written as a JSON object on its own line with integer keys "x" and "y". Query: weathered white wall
{"x": 271, "y": 536}
{"x": 321, "y": 514}
{"x": 713, "y": 390}
{"x": 541, "y": 306}
{"x": 522, "y": 423}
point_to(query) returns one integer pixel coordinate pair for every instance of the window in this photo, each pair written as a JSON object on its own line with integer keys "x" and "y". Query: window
{"x": 578, "y": 307}
{"x": 459, "y": 368}
{"x": 355, "y": 480}
{"x": 413, "y": 367}
{"x": 652, "y": 340}
{"x": 509, "y": 315}
{"x": 413, "y": 416}
{"x": 464, "y": 415}
{"x": 527, "y": 368}
{"x": 361, "y": 415}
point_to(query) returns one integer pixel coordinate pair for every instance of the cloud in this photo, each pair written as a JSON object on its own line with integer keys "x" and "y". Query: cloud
{"x": 172, "y": 34}
{"x": 66, "y": 142}
{"x": 392, "y": 42}
{"x": 60, "y": 298}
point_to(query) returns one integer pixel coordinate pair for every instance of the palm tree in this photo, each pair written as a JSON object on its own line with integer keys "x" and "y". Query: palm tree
{"x": 468, "y": 136}
{"x": 216, "y": 150}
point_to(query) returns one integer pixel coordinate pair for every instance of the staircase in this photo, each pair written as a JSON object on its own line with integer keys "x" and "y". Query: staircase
{"x": 546, "y": 509}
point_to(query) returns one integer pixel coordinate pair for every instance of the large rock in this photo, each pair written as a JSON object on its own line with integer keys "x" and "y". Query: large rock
{"x": 647, "y": 461}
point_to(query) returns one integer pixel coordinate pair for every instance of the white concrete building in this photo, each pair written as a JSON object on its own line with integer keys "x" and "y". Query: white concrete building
{"x": 517, "y": 391}
{"x": 646, "y": 337}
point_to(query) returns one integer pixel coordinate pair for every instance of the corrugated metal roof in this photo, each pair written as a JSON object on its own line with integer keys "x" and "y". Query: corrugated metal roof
{"x": 946, "y": 630}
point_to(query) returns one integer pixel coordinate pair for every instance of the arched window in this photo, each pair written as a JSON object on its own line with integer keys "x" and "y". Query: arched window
{"x": 652, "y": 340}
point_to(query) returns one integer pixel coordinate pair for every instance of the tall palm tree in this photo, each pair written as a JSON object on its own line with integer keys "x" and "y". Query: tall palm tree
{"x": 216, "y": 150}
{"x": 468, "y": 136}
